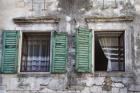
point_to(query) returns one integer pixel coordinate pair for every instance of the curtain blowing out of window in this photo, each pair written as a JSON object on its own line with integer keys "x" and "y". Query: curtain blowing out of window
{"x": 110, "y": 44}
{"x": 106, "y": 44}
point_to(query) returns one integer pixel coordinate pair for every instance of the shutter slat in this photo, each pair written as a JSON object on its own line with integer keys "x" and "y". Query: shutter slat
{"x": 83, "y": 50}
{"x": 9, "y": 60}
{"x": 59, "y": 56}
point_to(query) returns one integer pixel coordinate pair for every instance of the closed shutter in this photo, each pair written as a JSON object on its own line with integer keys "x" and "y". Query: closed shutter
{"x": 83, "y": 50}
{"x": 59, "y": 54}
{"x": 9, "y": 52}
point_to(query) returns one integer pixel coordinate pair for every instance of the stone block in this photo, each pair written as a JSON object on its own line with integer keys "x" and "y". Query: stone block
{"x": 135, "y": 88}
{"x": 38, "y": 1}
{"x": 86, "y": 90}
{"x": 77, "y": 88}
{"x": 57, "y": 84}
{"x": 118, "y": 85}
{"x": 16, "y": 91}
{"x": 46, "y": 90}
{"x": 68, "y": 92}
{"x": 127, "y": 80}
{"x": 20, "y": 4}
{"x": 2, "y": 89}
{"x": 123, "y": 90}
{"x": 138, "y": 76}
{"x": 19, "y": 0}
{"x": 106, "y": 92}
{"x": 138, "y": 43}
{"x": 96, "y": 89}
{"x": 90, "y": 81}
{"x": 115, "y": 90}
{"x": 98, "y": 80}
{"x": 28, "y": 6}
{"x": 116, "y": 79}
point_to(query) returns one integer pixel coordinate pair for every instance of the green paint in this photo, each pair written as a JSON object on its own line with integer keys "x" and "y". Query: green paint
{"x": 9, "y": 52}
{"x": 83, "y": 50}
{"x": 59, "y": 52}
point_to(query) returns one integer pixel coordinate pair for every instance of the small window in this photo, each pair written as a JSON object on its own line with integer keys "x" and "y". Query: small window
{"x": 35, "y": 52}
{"x": 109, "y": 51}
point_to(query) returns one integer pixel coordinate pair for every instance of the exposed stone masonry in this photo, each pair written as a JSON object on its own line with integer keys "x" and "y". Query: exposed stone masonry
{"x": 99, "y": 15}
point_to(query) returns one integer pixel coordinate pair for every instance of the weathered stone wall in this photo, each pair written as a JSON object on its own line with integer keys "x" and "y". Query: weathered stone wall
{"x": 72, "y": 13}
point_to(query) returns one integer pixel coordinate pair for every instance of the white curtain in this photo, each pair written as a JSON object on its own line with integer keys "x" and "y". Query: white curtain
{"x": 36, "y": 56}
{"x": 105, "y": 42}
{"x": 37, "y": 59}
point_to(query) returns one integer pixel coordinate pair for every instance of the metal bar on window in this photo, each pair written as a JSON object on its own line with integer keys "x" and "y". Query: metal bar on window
{"x": 38, "y": 48}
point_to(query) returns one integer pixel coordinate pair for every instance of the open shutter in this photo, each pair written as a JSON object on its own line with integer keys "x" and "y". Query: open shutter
{"x": 83, "y": 50}
{"x": 9, "y": 52}
{"x": 59, "y": 54}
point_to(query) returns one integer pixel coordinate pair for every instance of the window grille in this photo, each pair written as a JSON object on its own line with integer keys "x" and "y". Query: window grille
{"x": 36, "y": 53}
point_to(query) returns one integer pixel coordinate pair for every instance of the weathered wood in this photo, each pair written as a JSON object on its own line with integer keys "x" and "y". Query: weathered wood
{"x": 59, "y": 52}
{"x": 83, "y": 50}
{"x": 10, "y": 52}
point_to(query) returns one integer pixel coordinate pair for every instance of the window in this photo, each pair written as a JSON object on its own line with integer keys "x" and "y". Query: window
{"x": 109, "y": 51}
{"x": 31, "y": 50}
{"x": 35, "y": 52}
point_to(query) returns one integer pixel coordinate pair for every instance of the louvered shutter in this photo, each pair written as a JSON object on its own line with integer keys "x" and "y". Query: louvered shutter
{"x": 59, "y": 54}
{"x": 83, "y": 50}
{"x": 9, "y": 52}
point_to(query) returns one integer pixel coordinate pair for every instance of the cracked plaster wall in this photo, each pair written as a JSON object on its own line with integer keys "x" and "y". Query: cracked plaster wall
{"x": 72, "y": 14}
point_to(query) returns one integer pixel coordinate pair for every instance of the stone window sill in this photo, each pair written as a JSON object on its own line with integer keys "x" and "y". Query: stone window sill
{"x": 34, "y": 73}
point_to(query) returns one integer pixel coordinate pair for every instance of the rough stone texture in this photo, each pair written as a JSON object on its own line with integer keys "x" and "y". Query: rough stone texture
{"x": 72, "y": 13}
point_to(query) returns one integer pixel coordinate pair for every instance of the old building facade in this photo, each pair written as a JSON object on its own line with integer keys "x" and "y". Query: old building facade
{"x": 69, "y": 46}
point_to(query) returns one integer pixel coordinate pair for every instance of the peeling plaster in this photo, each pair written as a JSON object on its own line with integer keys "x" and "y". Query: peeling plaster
{"x": 72, "y": 14}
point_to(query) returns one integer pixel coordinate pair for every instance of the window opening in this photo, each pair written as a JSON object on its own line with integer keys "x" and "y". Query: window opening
{"x": 35, "y": 52}
{"x": 109, "y": 51}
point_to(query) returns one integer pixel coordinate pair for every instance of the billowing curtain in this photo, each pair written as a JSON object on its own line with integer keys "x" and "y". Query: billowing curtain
{"x": 108, "y": 45}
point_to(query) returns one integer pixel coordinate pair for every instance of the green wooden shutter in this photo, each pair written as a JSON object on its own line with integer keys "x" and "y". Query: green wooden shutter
{"x": 59, "y": 54}
{"x": 83, "y": 50}
{"x": 9, "y": 52}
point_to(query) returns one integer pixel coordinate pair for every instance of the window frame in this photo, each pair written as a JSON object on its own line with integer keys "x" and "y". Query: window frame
{"x": 123, "y": 31}
{"x": 20, "y": 45}
{"x": 127, "y": 71}
{"x": 115, "y": 25}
